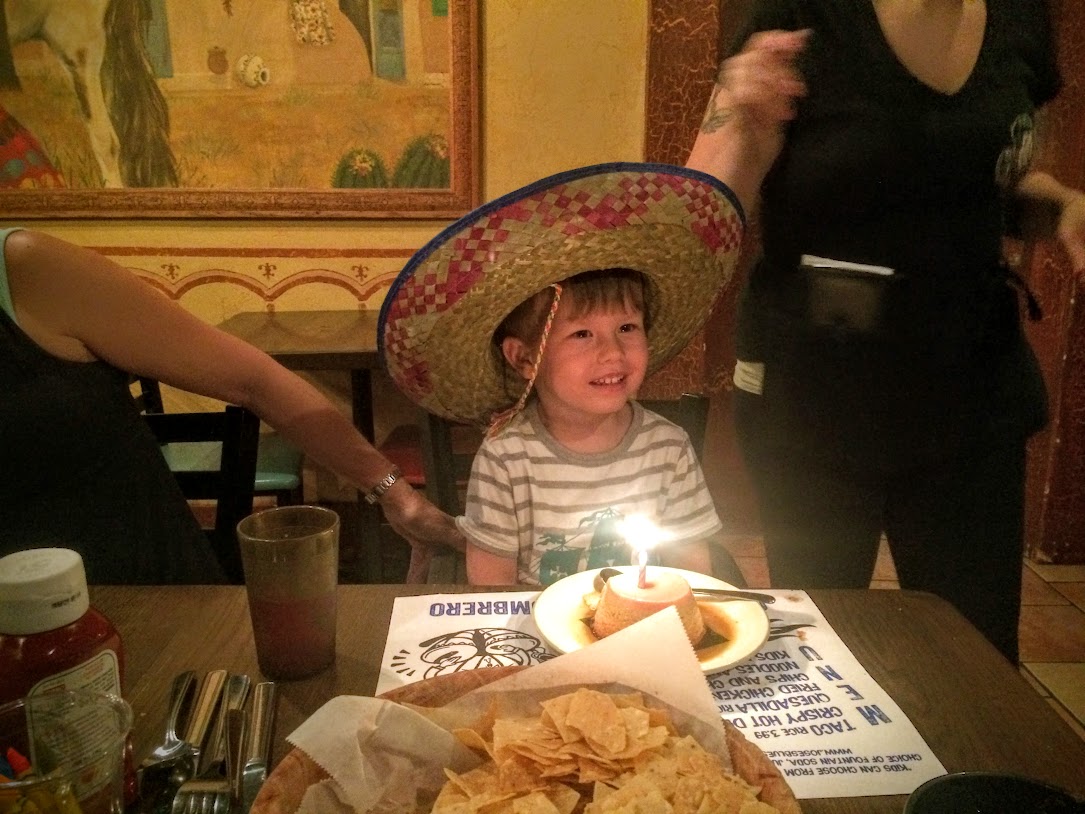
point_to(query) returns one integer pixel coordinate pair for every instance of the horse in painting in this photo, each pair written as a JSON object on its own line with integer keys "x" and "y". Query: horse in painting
{"x": 100, "y": 44}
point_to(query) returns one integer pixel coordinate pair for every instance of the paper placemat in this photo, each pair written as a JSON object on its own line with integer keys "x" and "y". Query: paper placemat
{"x": 803, "y": 698}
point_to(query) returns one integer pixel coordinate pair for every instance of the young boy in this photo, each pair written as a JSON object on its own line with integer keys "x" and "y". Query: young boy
{"x": 549, "y": 490}
{"x": 572, "y": 289}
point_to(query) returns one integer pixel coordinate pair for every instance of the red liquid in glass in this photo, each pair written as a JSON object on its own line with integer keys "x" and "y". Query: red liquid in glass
{"x": 294, "y": 638}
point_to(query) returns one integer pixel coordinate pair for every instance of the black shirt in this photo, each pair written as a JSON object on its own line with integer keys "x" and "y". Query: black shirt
{"x": 880, "y": 168}
{"x": 80, "y": 469}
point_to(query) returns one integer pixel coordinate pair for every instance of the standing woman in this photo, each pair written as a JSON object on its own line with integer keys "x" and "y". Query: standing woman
{"x": 896, "y": 398}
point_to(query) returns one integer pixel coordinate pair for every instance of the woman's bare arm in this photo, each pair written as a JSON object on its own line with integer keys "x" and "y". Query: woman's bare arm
{"x": 754, "y": 97}
{"x": 81, "y": 306}
{"x": 1051, "y": 209}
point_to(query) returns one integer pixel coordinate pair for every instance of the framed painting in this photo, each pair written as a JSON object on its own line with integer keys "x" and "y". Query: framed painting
{"x": 238, "y": 108}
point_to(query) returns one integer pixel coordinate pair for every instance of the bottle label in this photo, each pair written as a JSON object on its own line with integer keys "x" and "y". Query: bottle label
{"x": 84, "y": 738}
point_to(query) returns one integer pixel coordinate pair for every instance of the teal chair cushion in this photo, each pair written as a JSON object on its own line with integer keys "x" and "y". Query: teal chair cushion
{"x": 278, "y": 464}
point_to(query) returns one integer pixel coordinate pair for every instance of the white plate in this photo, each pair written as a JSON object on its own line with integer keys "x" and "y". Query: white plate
{"x": 560, "y": 612}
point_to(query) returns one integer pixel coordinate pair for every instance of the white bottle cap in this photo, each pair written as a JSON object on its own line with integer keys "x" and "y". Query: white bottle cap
{"x": 41, "y": 589}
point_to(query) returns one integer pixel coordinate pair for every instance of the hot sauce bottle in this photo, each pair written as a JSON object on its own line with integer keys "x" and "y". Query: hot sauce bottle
{"x": 50, "y": 636}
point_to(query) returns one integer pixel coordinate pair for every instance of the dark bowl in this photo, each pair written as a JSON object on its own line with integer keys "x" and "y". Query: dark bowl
{"x": 990, "y": 793}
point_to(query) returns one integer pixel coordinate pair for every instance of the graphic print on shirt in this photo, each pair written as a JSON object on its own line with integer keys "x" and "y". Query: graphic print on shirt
{"x": 607, "y": 547}
{"x": 1016, "y": 157}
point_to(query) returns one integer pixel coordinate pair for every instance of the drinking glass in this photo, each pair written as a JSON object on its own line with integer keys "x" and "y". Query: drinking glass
{"x": 290, "y": 556}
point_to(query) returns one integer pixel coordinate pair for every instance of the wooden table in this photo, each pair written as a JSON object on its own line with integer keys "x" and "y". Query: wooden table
{"x": 319, "y": 340}
{"x": 973, "y": 709}
{"x": 328, "y": 340}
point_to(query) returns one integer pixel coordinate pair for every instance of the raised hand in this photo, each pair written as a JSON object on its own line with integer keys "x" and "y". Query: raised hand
{"x": 1071, "y": 230}
{"x": 754, "y": 97}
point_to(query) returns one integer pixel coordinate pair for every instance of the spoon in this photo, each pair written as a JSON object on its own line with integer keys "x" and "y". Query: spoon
{"x": 200, "y": 720}
{"x": 173, "y": 745}
{"x": 714, "y": 593}
{"x": 155, "y": 770}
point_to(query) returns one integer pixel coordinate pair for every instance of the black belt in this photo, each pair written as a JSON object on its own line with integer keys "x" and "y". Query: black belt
{"x": 1035, "y": 312}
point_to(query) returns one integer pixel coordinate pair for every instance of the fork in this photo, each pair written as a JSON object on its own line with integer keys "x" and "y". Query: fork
{"x": 210, "y": 792}
{"x": 220, "y": 795}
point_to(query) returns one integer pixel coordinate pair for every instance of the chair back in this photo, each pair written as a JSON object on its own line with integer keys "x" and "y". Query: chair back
{"x": 230, "y": 482}
{"x": 278, "y": 463}
{"x": 148, "y": 394}
{"x": 689, "y": 411}
{"x": 448, "y": 451}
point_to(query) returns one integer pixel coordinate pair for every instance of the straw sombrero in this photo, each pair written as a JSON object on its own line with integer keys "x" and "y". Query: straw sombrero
{"x": 679, "y": 227}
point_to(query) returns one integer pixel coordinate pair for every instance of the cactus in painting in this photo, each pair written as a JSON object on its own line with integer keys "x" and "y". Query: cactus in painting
{"x": 424, "y": 164}
{"x": 360, "y": 169}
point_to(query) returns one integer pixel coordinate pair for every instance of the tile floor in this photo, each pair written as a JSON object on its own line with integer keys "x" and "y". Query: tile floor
{"x": 1052, "y": 623}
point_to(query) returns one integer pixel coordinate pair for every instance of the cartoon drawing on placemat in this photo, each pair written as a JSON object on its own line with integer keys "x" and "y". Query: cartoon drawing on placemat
{"x": 471, "y": 649}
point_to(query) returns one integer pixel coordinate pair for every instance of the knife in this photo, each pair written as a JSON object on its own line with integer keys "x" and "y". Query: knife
{"x": 237, "y": 727}
{"x": 203, "y": 711}
{"x": 258, "y": 743}
{"x": 234, "y": 694}
{"x": 726, "y": 593}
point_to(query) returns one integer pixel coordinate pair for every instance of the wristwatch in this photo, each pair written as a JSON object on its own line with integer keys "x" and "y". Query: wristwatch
{"x": 383, "y": 485}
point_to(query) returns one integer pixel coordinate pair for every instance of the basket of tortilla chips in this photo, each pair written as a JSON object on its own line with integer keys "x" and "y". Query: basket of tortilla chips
{"x": 571, "y": 735}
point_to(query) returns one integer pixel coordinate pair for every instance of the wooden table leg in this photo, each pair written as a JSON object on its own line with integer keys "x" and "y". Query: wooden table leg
{"x": 361, "y": 401}
{"x": 369, "y": 564}
{"x": 370, "y": 534}
{"x": 361, "y": 530}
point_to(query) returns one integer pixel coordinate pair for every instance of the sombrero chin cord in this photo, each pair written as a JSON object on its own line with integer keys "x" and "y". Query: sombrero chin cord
{"x": 501, "y": 419}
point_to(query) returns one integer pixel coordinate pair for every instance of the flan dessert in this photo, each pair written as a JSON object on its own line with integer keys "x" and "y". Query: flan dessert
{"x": 623, "y": 602}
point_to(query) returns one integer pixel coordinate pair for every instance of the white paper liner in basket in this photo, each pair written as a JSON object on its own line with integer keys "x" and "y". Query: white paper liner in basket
{"x": 383, "y": 757}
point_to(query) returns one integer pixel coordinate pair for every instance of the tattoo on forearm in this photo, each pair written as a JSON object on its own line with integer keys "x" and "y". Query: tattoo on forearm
{"x": 715, "y": 117}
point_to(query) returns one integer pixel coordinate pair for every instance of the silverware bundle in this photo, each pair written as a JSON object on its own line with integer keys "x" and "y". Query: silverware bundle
{"x": 221, "y": 761}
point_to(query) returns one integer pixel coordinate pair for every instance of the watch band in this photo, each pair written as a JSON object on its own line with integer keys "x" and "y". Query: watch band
{"x": 383, "y": 485}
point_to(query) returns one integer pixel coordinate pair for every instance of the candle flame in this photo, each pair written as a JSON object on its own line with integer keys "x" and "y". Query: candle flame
{"x": 641, "y": 533}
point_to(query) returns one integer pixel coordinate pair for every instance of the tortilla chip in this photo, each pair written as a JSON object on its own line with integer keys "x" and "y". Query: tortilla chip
{"x": 613, "y": 753}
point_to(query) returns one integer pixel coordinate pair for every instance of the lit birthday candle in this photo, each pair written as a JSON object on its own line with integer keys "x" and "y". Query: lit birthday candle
{"x": 642, "y": 535}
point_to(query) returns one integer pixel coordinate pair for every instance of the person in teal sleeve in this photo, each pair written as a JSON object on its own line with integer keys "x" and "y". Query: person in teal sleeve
{"x": 81, "y": 469}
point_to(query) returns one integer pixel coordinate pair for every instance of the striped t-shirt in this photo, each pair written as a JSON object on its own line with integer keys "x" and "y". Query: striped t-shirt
{"x": 558, "y": 511}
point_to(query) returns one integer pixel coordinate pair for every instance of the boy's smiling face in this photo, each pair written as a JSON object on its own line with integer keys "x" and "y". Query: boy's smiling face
{"x": 594, "y": 362}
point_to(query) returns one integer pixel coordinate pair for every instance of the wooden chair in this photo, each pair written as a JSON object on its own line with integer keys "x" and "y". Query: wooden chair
{"x": 229, "y": 481}
{"x": 689, "y": 411}
{"x": 436, "y": 455}
{"x": 278, "y": 463}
